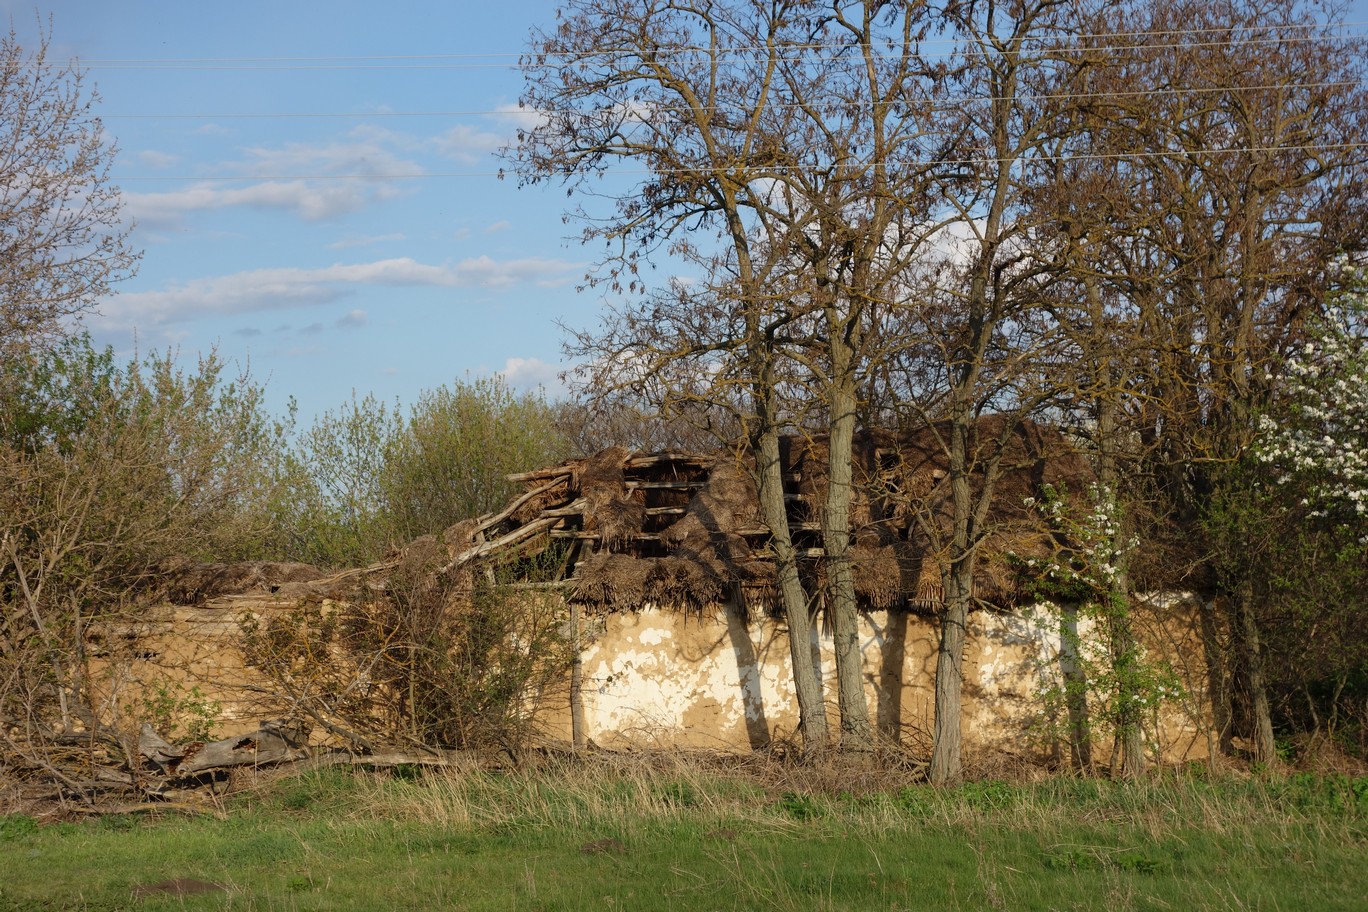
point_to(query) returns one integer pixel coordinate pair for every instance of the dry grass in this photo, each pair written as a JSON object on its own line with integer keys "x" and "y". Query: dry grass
{"x": 671, "y": 832}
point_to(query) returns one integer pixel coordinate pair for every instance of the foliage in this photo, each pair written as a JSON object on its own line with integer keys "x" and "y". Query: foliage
{"x": 438, "y": 661}
{"x": 108, "y": 474}
{"x": 1086, "y": 566}
{"x": 334, "y": 513}
{"x": 458, "y": 445}
{"x": 180, "y": 715}
{"x": 364, "y": 478}
{"x": 1315, "y": 439}
{"x": 1292, "y": 517}
{"x": 1078, "y": 594}
{"x": 61, "y": 243}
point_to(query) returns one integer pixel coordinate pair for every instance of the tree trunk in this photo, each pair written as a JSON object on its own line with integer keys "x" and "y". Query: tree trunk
{"x": 1075, "y": 691}
{"x": 856, "y": 732}
{"x": 770, "y": 482}
{"x": 578, "y": 736}
{"x": 1246, "y": 634}
{"x": 1125, "y": 657}
{"x": 1125, "y": 651}
{"x": 947, "y": 767}
{"x": 1218, "y": 679}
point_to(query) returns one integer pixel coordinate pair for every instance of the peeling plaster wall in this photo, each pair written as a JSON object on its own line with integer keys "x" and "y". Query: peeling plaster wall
{"x": 663, "y": 678}
{"x": 656, "y": 678}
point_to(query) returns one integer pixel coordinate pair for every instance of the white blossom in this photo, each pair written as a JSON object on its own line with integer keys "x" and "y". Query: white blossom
{"x": 1317, "y": 437}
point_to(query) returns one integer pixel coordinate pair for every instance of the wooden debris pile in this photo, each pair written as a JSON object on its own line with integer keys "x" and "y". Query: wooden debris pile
{"x": 684, "y": 530}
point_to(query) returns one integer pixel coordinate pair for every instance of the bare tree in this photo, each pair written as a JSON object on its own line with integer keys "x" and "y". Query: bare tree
{"x": 860, "y": 188}
{"x": 62, "y": 245}
{"x": 989, "y": 340}
{"x": 686, "y": 92}
{"x": 803, "y": 130}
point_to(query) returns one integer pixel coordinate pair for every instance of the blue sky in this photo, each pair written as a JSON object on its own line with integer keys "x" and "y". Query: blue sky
{"x": 320, "y": 263}
{"x": 300, "y": 243}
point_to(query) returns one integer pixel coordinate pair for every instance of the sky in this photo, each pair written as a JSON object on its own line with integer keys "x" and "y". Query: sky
{"x": 268, "y": 155}
{"x": 315, "y": 190}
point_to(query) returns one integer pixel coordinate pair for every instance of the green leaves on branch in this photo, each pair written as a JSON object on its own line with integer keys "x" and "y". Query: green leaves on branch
{"x": 365, "y": 478}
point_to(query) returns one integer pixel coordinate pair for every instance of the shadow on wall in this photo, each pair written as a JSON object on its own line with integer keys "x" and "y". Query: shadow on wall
{"x": 900, "y": 660}
{"x": 748, "y": 664}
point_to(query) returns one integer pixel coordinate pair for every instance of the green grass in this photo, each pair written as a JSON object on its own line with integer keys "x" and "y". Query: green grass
{"x": 678, "y": 837}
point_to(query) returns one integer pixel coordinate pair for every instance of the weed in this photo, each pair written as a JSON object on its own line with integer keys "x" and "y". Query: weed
{"x": 180, "y": 715}
{"x": 680, "y": 795}
{"x": 16, "y": 826}
{"x": 800, "y": 807}
{"x": 988, "y": 795}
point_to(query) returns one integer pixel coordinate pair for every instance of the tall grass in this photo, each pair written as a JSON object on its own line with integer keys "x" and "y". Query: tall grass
{"x": 668, "y": 833}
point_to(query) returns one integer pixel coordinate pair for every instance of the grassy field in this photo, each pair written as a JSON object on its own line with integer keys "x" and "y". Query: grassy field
{"x": 674, "y": 836}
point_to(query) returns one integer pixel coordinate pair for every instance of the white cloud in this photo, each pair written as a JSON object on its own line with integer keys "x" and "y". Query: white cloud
{"x": 282, "y": 289}
{"x": 468, "y": 144}
{"x": 531, "y": 373}
{"x": 500, "y": 225}
{"x": 519, "y": 117}
{"x": 352, "y": 319}
{"x": 310, "y": 181}
{"x": 309, "y": 200}
{"x": 154, "y": 159}
{"x": 365, "y": 152}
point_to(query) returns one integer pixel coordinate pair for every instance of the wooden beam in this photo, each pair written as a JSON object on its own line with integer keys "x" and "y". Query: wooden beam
{"x": 651, "y": 460}
{"x": 486, "y": 524}
{"x": 594, "y": 536}
{"x": 575, "y": 508}
{"x": 520, "y": 534}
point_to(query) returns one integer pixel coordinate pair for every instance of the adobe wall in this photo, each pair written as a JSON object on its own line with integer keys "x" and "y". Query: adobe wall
{"x": 669, "y": 679}
{"x": 175, "y": 649}
{"x": 654, "y": 678}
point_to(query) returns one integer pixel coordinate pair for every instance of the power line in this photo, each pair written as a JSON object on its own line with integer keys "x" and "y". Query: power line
{"x": 949, "y": 101}
{"x": 516, "y": 55}
{"x": 516, "y": 60}
{"x": 761, "y": 173}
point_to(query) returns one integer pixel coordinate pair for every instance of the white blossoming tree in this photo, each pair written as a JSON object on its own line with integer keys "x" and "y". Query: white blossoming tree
{"x": 1316, "y": 439}
{"x": 1107, "y": 682}
{"x": 1293, "y": 525}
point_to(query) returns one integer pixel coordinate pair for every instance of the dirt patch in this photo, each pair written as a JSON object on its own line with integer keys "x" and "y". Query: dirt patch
{"x": 180, "y": 886}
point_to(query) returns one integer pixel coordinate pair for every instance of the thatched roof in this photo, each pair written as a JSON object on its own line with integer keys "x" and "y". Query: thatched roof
{"x": 684, "y": 530}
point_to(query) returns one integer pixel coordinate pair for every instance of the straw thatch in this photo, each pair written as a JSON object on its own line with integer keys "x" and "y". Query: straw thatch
{"x": 185, "y": 583}
{"x": 684, "y": 530}
{"x": 610, "y": 510}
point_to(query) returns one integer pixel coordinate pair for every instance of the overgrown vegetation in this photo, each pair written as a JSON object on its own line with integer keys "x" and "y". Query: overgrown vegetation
{"x": 366, "y": 478}
{"x": 113, "y": 477}
{"x": 436, "y": 662}
{"x": 108, "y": 475}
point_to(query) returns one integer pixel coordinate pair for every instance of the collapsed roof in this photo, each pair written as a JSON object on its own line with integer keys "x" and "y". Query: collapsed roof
{"x": 619, "y": 530}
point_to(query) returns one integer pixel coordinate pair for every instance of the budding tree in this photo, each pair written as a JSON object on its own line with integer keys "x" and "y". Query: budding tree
{"x": 62, "y": 245}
